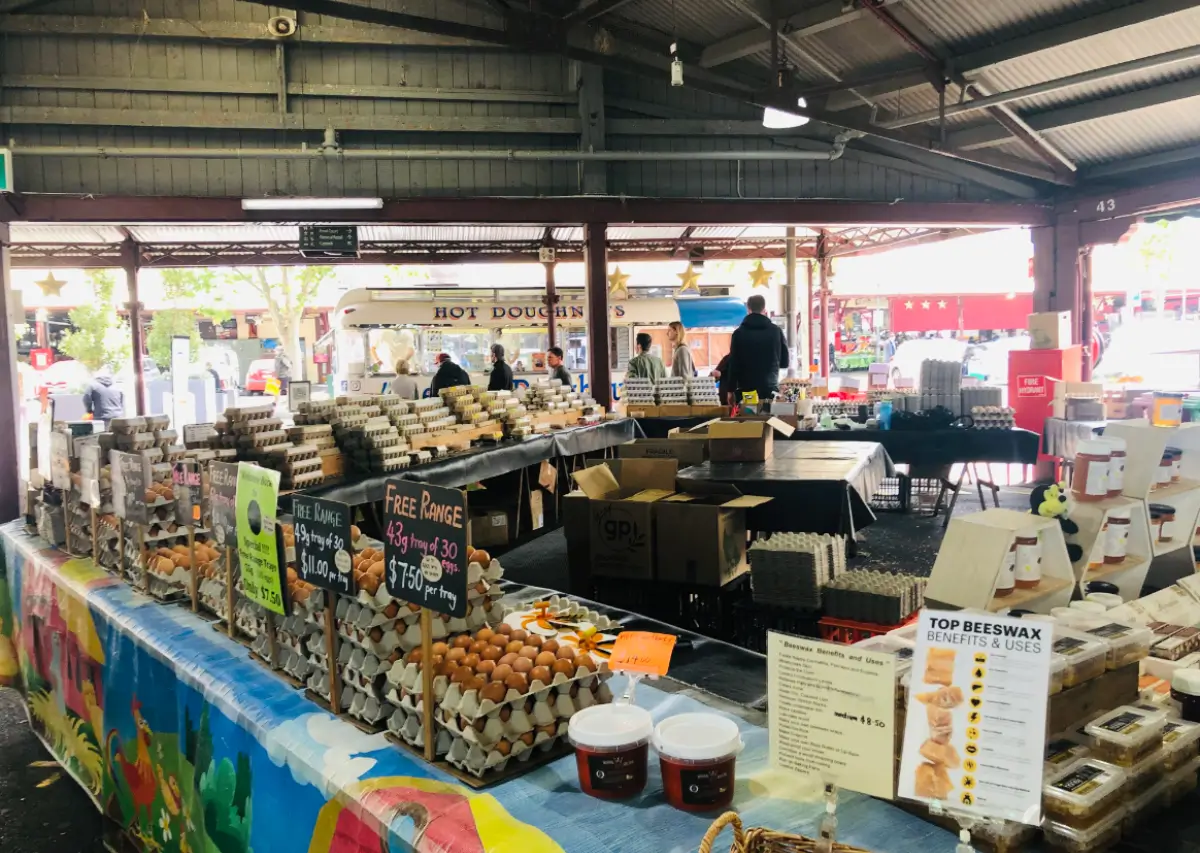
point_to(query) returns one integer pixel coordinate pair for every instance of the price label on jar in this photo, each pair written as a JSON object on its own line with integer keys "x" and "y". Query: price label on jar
{"x": 425, "y": 546}
{"x": 322, "y": 531}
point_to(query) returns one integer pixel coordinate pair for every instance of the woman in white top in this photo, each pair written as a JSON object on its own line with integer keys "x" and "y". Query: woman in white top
{"x": 404, "y": 385}
{"x": 681, "y": 358}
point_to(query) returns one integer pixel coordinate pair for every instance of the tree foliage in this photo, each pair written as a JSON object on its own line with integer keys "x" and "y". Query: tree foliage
{"x": 287, "y": 292}
{"x": 192, "y": 293}
{"x": 169, "y": 323}
{"x": 100, "y": 338}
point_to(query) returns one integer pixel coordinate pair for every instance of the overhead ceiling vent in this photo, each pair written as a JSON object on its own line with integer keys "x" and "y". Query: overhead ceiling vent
{"x": 281, "y": 26}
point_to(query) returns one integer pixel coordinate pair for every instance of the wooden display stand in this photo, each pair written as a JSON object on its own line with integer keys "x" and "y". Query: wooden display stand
{"x": 1129, "y": 574}
{"x": 973, "y": 553}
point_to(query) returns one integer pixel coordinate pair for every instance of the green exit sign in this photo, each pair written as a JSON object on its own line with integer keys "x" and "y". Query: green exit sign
{"x": 6, "y": 180}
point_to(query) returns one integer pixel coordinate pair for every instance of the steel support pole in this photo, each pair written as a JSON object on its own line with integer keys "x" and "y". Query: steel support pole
{"x": 823, "y": 264}
{"x": 1085, "y": 310}
{"x": 599, "y": 364}
{"x": 10, "y": 401}
{"x": 551, "y": 300}
{"x": 130, "y": 263}
{"x": 789, "y": 299}
{"x": 809, "y": 339}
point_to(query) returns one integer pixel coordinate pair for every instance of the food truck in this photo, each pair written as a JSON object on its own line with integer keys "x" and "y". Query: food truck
{"x": 374, "y": 328}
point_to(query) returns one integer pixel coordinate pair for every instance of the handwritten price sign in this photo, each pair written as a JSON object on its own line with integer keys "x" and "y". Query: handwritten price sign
{"x": 322, "y": 529}
{"x": 642, "y": 651}
{"x": 425, "y": 546}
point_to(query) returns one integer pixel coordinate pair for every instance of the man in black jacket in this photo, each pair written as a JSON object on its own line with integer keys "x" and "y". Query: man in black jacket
{"x": 757, "y": 351}
{"x": 501, "y": 378}
{"x": 102, "y": 400}
{"x": 449, "y": 375}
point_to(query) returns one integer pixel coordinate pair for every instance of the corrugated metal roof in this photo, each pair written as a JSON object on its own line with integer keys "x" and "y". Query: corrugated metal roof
{"x": 25, "y": 233}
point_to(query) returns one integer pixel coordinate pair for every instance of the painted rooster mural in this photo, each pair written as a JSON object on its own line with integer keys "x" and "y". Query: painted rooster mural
{"x": 139, "y": 775}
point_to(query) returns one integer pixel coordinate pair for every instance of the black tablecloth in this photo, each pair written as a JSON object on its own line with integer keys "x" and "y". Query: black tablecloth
{"x": 715, "y": 667}
{"x": 818, "y": 486}
{"x": 909, "y": 447}
{"x": 482, "y": 463}
{"x": 1059, "y": 437}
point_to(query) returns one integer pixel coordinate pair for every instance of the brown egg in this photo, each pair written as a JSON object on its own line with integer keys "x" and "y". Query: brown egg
{"x": 415, "y": 608}
{"x": 534, "y": 640}
{"x": 549, "y": 729}
{"x": 503, "y": 747}
{"x": 480, "y": 724}
{"x": 376, "y": 634}
{"x": 522, "y": 665}
{"x": 471, "y": 660}
{"x": 485, "y": 667}
{"x": 501, "y": 672}
{"x": 504, "y": 628}
{"x": 527, "y": 738}
{"x": 566, "y": 667}
{"x": 481, "y": 587}
{"x": 499, "y": 640}
{"x": 456, "y": 655}
{"x": 545, "y": 659}
{"x": 529, "y": 703}
{"x": 478, "y": 646}
{"x": 514, "y": 647}
{"x": 566, "y": 652}
{"x": 517, "y": 681}
{"x": 574, "y": 691}
{"x": 440, "y": 648}
{"x": 461, "y": 674}
{"x": 394, "y": 656}
{"x": 529, "y": 652}
{"x": 494, "y": 692}
{"x": 391, "y": 610}
{"x": 541, "y": 673}
{"x": 492, "y": 653}
{"x": 551, "y": 697}
{"x": 505, "y": 714}
{"x": 483, "y": 558}
{"x": 484, "y": 634}
{"x": 550, "y": 645}
{"x": 519, "y": 634}
{"x": 446, "y": 668}
{"x": 473, "y": 682}
{"x": 584, "y": 663}
{"x": 462, "y": 641}
{"x": 510, "y": 658}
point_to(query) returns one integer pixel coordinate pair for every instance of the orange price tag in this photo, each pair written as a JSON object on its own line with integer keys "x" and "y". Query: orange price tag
{"x": 642, "y": 651}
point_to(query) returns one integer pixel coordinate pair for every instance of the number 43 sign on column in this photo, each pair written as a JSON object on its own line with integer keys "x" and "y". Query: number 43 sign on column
{"x": 425, "y": 546}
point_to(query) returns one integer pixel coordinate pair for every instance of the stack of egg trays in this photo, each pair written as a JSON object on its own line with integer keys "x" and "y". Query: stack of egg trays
{"x": 792, "y": 569}
{"x": 469, "y": 729}
{"x": 875, "y": 597}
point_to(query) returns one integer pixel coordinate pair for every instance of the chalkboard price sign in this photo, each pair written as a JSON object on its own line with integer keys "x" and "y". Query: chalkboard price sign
{"x": 187, "y": 481}
{"x": 322, "y": 531}
{"x": 89, "y": 470}
{"x": 130, "y": 470}
{"x": 425, "y": 546}
{"x": 222, "y": 494}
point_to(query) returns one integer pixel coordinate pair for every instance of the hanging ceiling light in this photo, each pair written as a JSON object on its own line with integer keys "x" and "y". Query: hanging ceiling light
{"x": 298, "y": 203}
{"x": 783, "y": 119}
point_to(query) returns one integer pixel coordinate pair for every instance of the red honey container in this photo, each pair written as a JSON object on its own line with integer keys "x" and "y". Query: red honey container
{"x": 612, "y": 744}
{"x": 697, "y": 754}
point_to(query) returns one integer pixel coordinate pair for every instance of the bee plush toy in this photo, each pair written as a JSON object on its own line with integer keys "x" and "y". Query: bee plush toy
{"x": 1051, "y": 502}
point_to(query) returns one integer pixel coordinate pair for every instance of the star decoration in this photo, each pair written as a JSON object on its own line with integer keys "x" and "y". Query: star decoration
{"x": 942, "y": 304}
{"x": 760, "y": 276}
{"x": 908, "y": 304}
{"x": 50, "y": 285}
{"x": 688, "y": 281}
{"x": 925, "y": 304}
{"x": 618, "y": 284}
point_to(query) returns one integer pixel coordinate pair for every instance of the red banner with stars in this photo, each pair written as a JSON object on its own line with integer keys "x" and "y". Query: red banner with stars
{"x": 924, "y": 313}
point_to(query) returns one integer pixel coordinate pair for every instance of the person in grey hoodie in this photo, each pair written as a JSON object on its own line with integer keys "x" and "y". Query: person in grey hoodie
{"x": 102, "y": 400}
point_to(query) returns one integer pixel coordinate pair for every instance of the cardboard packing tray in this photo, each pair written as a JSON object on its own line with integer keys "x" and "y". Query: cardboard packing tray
{"x": 738, "y": 440}
{"x": 700, "y": 534}
{"x": 621, "y": 498}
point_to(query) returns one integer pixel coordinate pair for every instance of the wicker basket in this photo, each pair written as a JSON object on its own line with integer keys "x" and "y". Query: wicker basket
{"x": 759, "y": 840}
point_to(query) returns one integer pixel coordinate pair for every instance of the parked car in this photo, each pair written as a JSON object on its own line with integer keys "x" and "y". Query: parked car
{"x": 62, "y": 377}
{"x": 909, "y": 355}
{"x": 261, "y": 369}
{"x": 224, "y": 362}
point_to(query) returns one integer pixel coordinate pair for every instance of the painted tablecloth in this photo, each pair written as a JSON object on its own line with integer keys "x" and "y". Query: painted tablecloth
{"x": 194, "y": 747}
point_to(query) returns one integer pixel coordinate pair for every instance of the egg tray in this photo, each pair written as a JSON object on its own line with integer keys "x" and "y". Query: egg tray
{"x": 124, "y": 426}
{"x": 420, "y": 457}
{"x": 392, "y": 453}
{"x": 382, "y": 439}
{"x": 134, "y": 441}
{"x": 549, "y": 708}
{"x": 256, "y": 426}
{"x": 392, "y": 405}
{"x": 404, "y": 420}
{"x": 426, "y": 403}
{"x": 350, "y": 410}
{"x": 257, "y": 440}
{"x": 251, "y": 412}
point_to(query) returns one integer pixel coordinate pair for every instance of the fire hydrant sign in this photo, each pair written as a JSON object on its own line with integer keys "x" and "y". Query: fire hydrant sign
{"x": 832, "y": 713}
{"x": 974, "y": 737}
{"x": 425, "y": 546}
{"x": 1032, "y": 386}
{"x": 322, "y": 531}
{"x": 258, "y": 547}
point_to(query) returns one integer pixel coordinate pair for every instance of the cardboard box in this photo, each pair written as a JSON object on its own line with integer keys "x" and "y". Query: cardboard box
{"x": 701, "y": 534}
{"x": 741, "y": 440}
{"x": 710, "y": 411}
{"x": 489, "y": 528}
{"x": 674, "y": 410}
{"x": 639, "y": 410}
{"x": 623, "y": 495}
{"x": 685, "y": 452}
{"x": 1063, "y": 390}
{"x": 1051, "y": 330}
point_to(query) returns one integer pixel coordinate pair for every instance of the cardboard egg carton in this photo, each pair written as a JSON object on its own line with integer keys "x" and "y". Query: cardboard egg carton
{"x": 134, "y": 441}
{"x": 353, "y": 399}
{"x": 124, "y": 426}
{"x": 305, "y": 480}
{"x": 294, "y": 454}
{"x": 261, "y": 440}
{"x": 394, "y": 405}
{"x": 305, "y": 434}
{"x": 255, "y": 426}
{"x": 478, "y": 762}
{"x": 235, "y": 414}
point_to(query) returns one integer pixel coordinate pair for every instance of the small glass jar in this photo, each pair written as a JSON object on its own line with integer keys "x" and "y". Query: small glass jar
{"x": 1090, "y": 481}
{"x": 1116, "y": 465}
{"x": 1176, "y": 463}
{"x": 1167, "y": 410}
{"x": 1162, "y": 521}
{"x": 1007, "y": 578}
{"x": 1162, "y": 474}
{"x": 1028, "y": 573}
{"x": 1185, "y": 689}
{"x": 1116, "y": 535}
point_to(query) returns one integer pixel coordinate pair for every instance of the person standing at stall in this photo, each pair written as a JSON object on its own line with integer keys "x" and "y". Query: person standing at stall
{"x": 449, "y": 375}
{"x": 757, "y": 351}
{"x": 558, "y": 370}
{"x": 404, "y": 385}
{"x": 102, "y": 400}
{"x": 644, "y": 365}
{"x": 502, "y": 377}
{"x": 724, "y": 381}
{"x": 681, "y": 358}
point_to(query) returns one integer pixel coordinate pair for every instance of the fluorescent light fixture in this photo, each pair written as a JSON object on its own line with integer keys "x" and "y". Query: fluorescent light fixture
{"x": 300, "y": 203}
{"x": 782, "y": 119}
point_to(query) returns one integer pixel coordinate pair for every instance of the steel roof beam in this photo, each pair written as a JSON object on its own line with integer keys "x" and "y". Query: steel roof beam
{"x": 591, "y": 11}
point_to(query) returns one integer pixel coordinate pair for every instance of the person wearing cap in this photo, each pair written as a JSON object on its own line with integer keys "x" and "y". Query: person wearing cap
{"x": 502, "y": 377}
{"x": 448, "y": 375}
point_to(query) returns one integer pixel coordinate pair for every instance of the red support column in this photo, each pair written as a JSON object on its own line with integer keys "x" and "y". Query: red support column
{"x": 551, "y": 300}
{"x": 1085, "y": 312}
{"x": 10, "y": 402}
{"x": 823, "y": 263}
{"x": 596, "y": 262}
{"x": 130, "y": 261}
{"x": 809, "y": 341}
